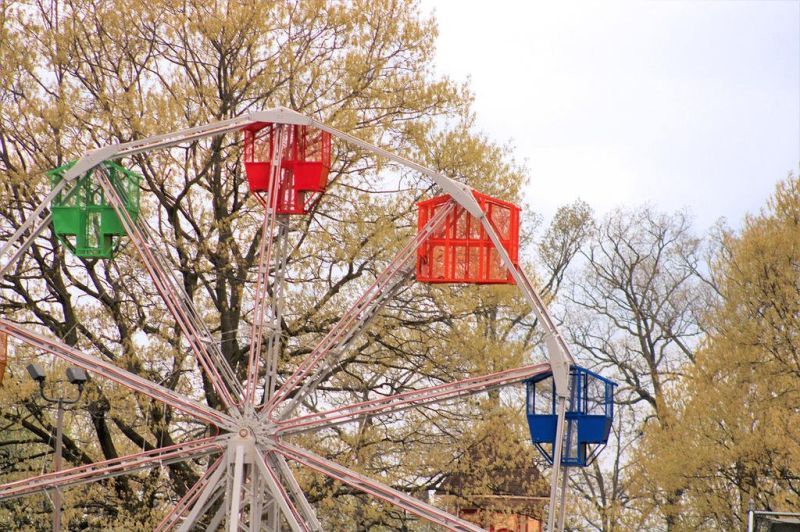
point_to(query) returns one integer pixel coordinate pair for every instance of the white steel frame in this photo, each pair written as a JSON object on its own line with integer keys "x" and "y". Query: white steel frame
{"x": 250, "y": 474}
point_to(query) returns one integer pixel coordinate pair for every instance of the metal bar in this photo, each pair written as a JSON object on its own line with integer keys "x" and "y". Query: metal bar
{"x": 406, "y": 400}
{"x": 167, "y": 140}
{"x": 216, "y": 521}
{"x": 562, "y": 511}
{"x": 196, "y": 497}
{"x": 273, "y": 516}
{"x": 109, "y": 371}
{"x": 374, "y": 488}
{"x": 279, "y": 495}
{"x": 256, "y": 502}
{"x": 557, "y": 351}
{"x": 256, "y": 335}
{"x": 25, "y": 245}
{"x": 776, "y": 514}
{"x": 234, "y": 513}
{"x": 264, "y": 256}
{"x": 181, "y": 308}
{"x": 206, "y": 339}
{"x": 561, "y": 410}
{"x": 112, "y": 468}
{"x": 301, "y": 503}
{"x": 349, "y": 322}
{"x": 276, "y": 309}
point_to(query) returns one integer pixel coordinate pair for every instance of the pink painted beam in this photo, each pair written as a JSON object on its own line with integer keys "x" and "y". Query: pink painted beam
{"x": 282, "y": 499}
{"x": 376, "y": 489}
{"x": 112, "y": 468}
{"x": 100, "y": 367}
{"x": 351, "y": 320}
{"x": 410, "y": 399}
{"x": 264, "y": 255}
{"x": 211, "y": 360}
{"x": 200, "y": 488}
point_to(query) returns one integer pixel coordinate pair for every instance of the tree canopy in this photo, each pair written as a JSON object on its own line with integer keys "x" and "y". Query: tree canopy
{"x": 735, "y": 433}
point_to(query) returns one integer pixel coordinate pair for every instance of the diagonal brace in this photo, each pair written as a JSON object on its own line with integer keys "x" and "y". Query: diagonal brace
{"x": 406, "y": 400}
{"x": 121, "y": 376}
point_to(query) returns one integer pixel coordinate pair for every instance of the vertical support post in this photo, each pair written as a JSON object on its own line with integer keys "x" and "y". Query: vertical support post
{"x": 57, "y": 466}
{"x": 562, "y": 511}
{"x": 562, "y": 412}
{"x": 273, "y": 519}
{"x": 256, "y": 501}
{"x": 236, "y": 495}
{"x": 751, "y": 516}
{"x": 276, "y": 307}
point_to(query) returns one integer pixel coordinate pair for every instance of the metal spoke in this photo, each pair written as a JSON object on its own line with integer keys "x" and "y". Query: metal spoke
{"x": 114, "y": 467}
{"x": 362, "y": 310}
{"x": 301, "y": 503}
{"x": 403, "y": 401}
{"x": 17, "y": 256}
{"x": 375, "y": 488}
{"x": 196, "y": 496}
{"x": 279, "y": 495}
{"x": 101, "y": 368}
{"x": 178, "y": 302}
{"x": 265, "y": 298}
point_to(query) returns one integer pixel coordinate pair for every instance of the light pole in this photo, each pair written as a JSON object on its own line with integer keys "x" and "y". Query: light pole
{"x": 77, "y": 377}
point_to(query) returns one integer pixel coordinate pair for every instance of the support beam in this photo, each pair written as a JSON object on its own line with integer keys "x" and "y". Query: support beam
{"x": 557, "y": 351}
{"x": 264, "y": 298}
{"x": 112, "y": 468}
{"x": 234, "y": 511}
{"x": 216, "y": 521}
{"x": 277, "y": 304}
{"x": 350, "y": 322}
{"x": 196, "y": 497}
{"x": 279, "y": 495}
{"x": 180, "y": 305}
{"x": 300, "y": 501}
{"x": 411, "y": 399}
{"x": 376, "y": 489}
{"x": 552, "y": 518}
{"x": 562, "y": 512}
{"x": 133, "y": 382}
{"x": 216, "y": 495}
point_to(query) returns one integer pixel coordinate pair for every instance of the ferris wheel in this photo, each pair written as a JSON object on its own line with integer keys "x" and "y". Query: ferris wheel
{"x": 463, "y": 236}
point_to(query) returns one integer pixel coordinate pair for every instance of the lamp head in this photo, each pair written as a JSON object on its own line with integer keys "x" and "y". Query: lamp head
{"x": 36, "y": 372}
{"x": 77, "y": 376}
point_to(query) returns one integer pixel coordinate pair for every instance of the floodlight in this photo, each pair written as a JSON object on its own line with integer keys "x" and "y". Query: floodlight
{"x": 76, "y": 376}
{"x": 36, "y": 372}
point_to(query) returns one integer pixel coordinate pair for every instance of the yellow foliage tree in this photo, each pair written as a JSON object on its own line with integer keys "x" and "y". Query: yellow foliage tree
{"x": 736, "y": 432}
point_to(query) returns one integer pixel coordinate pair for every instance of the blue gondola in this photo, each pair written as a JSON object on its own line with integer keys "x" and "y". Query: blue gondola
{"x": 590, "y": 411}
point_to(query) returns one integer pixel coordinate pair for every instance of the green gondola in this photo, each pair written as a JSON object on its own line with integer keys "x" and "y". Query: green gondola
{"x": 83, "y": 220}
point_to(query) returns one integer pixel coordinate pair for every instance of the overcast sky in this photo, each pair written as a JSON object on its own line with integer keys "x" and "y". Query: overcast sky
{"x": 679, "y": 104}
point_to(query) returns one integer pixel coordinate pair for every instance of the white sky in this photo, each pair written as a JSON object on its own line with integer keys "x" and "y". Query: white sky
{"x": 679, "y": 104}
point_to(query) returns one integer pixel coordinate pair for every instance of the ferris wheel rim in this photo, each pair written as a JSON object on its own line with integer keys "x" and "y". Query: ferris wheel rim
{"x": 234, "y": 420}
